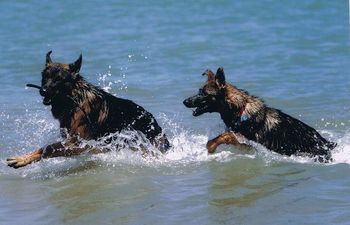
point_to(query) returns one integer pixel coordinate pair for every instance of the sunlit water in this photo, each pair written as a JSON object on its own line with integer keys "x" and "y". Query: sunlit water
{"x": 293, "y": 55}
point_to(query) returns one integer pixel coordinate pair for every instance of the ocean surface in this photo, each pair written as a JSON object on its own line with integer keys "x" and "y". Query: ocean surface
{"x": 293, "y": 54}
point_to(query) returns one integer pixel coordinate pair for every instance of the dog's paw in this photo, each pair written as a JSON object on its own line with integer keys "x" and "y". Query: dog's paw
{"x": 19, "y": 161}
{"x": 211, "y": 146}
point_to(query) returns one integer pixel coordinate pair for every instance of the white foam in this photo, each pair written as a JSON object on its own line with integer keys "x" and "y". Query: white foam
{"x": 341, "y": 154}
{"x": 107, "y": 82}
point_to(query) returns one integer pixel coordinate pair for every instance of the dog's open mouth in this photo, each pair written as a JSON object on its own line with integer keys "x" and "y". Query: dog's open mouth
{"x": 47, "y": 100}
{"x": 43, "y": 92}
{"x": 200, "y": 110}
{"x": 199, "y": 105}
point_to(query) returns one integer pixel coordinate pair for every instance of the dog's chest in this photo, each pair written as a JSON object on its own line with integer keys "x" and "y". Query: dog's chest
{"x": 230, "y": 119}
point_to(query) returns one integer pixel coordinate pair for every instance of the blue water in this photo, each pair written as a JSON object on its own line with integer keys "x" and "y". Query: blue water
{"x": 293, "y": 54}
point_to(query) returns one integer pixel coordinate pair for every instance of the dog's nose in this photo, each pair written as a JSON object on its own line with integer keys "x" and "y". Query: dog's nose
{"x": 187, "y": 103}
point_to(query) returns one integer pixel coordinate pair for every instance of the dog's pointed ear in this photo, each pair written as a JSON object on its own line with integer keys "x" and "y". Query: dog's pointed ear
{"x": 220, "y": 77}
{"x": 75, "y": 67}
{"x": 210, "y": 74}
{"x": 48, "y": 58}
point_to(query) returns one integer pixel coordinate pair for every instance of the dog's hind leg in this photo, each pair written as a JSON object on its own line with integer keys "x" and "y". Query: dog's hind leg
{"x": 228, "y": 138}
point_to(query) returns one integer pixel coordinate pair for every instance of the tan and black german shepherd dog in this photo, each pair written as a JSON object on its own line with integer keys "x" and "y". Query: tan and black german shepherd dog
{"x": 246, "y": 115}
{"x": 85, "y": 111}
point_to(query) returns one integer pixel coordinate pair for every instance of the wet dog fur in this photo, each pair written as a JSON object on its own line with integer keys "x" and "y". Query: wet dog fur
{"x": 248, "y": 116}
{"x": 85, "y": 111}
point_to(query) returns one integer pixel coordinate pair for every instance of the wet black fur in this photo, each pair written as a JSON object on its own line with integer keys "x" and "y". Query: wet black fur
{"x": 289, "y": 136}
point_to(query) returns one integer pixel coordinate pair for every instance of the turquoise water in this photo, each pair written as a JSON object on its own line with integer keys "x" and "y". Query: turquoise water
{"x": 293, "y": 54}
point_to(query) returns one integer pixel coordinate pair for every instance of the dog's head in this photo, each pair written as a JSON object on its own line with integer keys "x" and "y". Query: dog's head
{"x": 210, "y": 95}
{"x": 58, "y": 78}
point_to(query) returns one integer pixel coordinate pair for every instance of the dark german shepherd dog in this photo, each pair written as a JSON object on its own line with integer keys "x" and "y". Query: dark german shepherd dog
{"x": 86, "y": 112}
{"x": 248, "y": 116}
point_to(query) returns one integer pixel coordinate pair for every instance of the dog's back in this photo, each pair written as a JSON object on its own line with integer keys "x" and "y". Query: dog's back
{"x": 125, "y": 114}
{"x": 286, "y": 135}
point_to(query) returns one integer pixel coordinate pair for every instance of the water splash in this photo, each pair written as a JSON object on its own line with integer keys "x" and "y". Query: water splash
{"x": 107, "y": 82}
{"x": 341, "y": 154}
{"x": 188, "y": 148}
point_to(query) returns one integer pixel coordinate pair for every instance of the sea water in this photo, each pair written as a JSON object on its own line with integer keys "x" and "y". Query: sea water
{"x": 293, "y": 54}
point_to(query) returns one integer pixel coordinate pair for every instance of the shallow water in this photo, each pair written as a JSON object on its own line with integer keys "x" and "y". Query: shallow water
{"x": 294, "y": 55}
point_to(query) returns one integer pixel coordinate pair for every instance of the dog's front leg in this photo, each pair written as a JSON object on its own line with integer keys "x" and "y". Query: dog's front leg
{"x": 23, "y": 160}
{"x": 68, "y": 149}
{"x": 228, "y": 138}
{"x": 53, "y": 150}
{"x": 58, "y": 149}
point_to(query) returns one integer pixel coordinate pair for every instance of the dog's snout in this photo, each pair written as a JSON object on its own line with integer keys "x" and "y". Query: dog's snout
{"x": 189, "y": 102}
{"x": 194, "y": 101}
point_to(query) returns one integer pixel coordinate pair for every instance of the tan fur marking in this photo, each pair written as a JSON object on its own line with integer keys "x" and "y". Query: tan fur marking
{"x": 210, "y": 74}
{"x": 271, "y": 120}
{"x": 90, "y": 96}
{"x": 23, "y": 160}
{"x": 87, "y": 109}
{"x": 65, "y": 66}
{"x": 225, "y": 138}
{"x": 235, "y": 97}
{"x": 103, "y": 114}
{"x": 76, "y": 127}
{"x": 252, "y": 105}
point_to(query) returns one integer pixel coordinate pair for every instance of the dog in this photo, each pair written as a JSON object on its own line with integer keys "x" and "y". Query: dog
{"x": 248, "y": 116}
{"x": 85, "y": 111}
